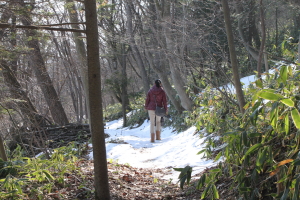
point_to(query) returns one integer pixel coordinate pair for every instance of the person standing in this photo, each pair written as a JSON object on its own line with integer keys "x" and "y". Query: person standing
{"x": 156, "y": 96}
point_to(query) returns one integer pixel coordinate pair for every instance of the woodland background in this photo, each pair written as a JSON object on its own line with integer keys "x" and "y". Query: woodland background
{"x": 190, "y": 45}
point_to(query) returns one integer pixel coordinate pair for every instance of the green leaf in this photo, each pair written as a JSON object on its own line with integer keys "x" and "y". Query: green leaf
{"x": 274, "y": 115}
{"x": 48, "y": 175}
{"x": 178, "y": 169}
{"x": 287, "y": 125}
{"x": 200, "y": 152}
{"x": 185, "y": 175}
{"x": 261, "y": 158}
{"x": 296, "y": 162}
{"x": 283, "y": 73}
{"x": 201, "y": 181}
{"x": 251, "y": 135}
{"x": 215, "y": 192}
{"x": 204, "y": 193}
{"x": 182, "y": 181}
{"x": 288, "y": 102}
{"x": 270, "y": 96}
{"x": 296, "y": 192}
{"x": 188, "y": 177}
{"x": 216, "y": 170}
{"x": 258, "y": 83}
{"x": 296, "y": 117}
{"x": 186, "y": 170}
{"x": 252, "y": 149}
{"x": 245, "y": 138}
{"x": 218, "y": 156}
{"x": 253, "y": 117}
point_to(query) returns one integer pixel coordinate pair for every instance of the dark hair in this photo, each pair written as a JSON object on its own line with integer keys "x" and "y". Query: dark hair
{"x": 157, "y": 83}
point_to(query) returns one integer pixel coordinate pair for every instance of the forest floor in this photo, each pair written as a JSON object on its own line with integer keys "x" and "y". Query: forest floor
{"x": 128, "y": 183}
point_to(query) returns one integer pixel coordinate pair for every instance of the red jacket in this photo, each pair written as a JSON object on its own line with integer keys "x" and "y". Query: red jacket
{"x": 157, "y": 94}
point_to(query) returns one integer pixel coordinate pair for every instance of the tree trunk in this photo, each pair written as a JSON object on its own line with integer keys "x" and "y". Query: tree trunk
{"x": 25, "y": 105}
{"x": 174, "y": 62}
{"x": 157, "y": 63}
{"x": 159, "y": 67}
{"x": 299, "y": 49}
{"x": 124, "y": 81}
{"x": 263, "y": 40}
{"x": 74, "y": 80}
{"x": 2, "y": 150}
{"x": 80, "y": 48}
{"x": 233, "y": 58}
{"x": 37, "y": 62}
{"x": 95, "y": 102}
{"x": 252, "y": 29}
{"x": 136, "y": 52}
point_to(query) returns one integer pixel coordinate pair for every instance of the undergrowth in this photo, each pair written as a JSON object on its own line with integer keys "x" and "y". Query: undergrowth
{"x": 32, "y": 178}
{"x": 260, "y": 148}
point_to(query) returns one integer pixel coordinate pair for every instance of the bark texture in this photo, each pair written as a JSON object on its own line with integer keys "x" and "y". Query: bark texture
{"x": 95, "y": 102}
{"x": 233, "y": 58}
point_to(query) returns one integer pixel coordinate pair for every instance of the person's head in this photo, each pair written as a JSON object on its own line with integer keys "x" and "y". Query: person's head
{"x": 158, "y": 83}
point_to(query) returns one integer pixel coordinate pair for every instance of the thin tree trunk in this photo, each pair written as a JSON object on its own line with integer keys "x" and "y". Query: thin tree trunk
{"x": 80, "y": 47}
{"x": 2, "y": 150}
{"x": 157, "y": 62}
{"x": 74, "y": 86}
{"x": 174, "y": 62}
{"x": 25, "y": 105}
{"x": 136, "y": 52}
{"x": 158, "y": 66}
{"x": 246, "y": 44}
{"x": 95, "y": 103}
{"x": 263, "y": 40}
{"x": 299, "y": 49}
{"x": 233, "y": 58}
{"x": 37, "y": 62}
{"x": 124, "y": 93}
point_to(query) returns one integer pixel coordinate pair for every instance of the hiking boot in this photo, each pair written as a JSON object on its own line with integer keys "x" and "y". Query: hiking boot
{"x": 158, "y": 135}
{"x": 152, "y": 137}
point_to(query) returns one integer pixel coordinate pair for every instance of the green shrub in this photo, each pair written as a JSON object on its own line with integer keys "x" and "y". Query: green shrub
{"x": 112, "y": 112}
{"x": 260, "y": 149}
{"x": 38, "y": 174}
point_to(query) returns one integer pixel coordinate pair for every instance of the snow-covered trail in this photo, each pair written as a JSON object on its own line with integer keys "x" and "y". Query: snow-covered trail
{"x": 174, "y": 150}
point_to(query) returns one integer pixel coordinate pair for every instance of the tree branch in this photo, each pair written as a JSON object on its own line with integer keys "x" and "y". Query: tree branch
{"x": 44, "y": 27}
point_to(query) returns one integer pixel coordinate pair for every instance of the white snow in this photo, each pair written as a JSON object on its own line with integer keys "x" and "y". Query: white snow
{"x": 175, "y": 150}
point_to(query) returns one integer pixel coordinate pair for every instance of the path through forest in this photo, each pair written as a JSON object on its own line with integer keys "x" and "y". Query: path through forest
{"x": 133, "y": 147}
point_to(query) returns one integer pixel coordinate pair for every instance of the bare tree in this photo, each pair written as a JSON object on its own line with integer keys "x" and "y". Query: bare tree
{"x": 37, "y": 63}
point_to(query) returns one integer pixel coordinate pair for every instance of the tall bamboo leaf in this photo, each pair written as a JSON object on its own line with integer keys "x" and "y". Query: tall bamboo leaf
{"x": 252, "y": 149}
{"x": 270, "y": 96}
{"x": 201, "y": 181}
{"x": 296, "y": 192}
{"x": 215, "y": 192}
{"x": 204, "y": 193}
{"x": 261, "y": 158}
{"x": 274, "y": 115}
{"x": 288, "y": 102}
{"x": 283, "y": 73}
{"x": 258, "y": 83}
{"x": 296, "y": 118}
{"x": 287, "y": 125}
